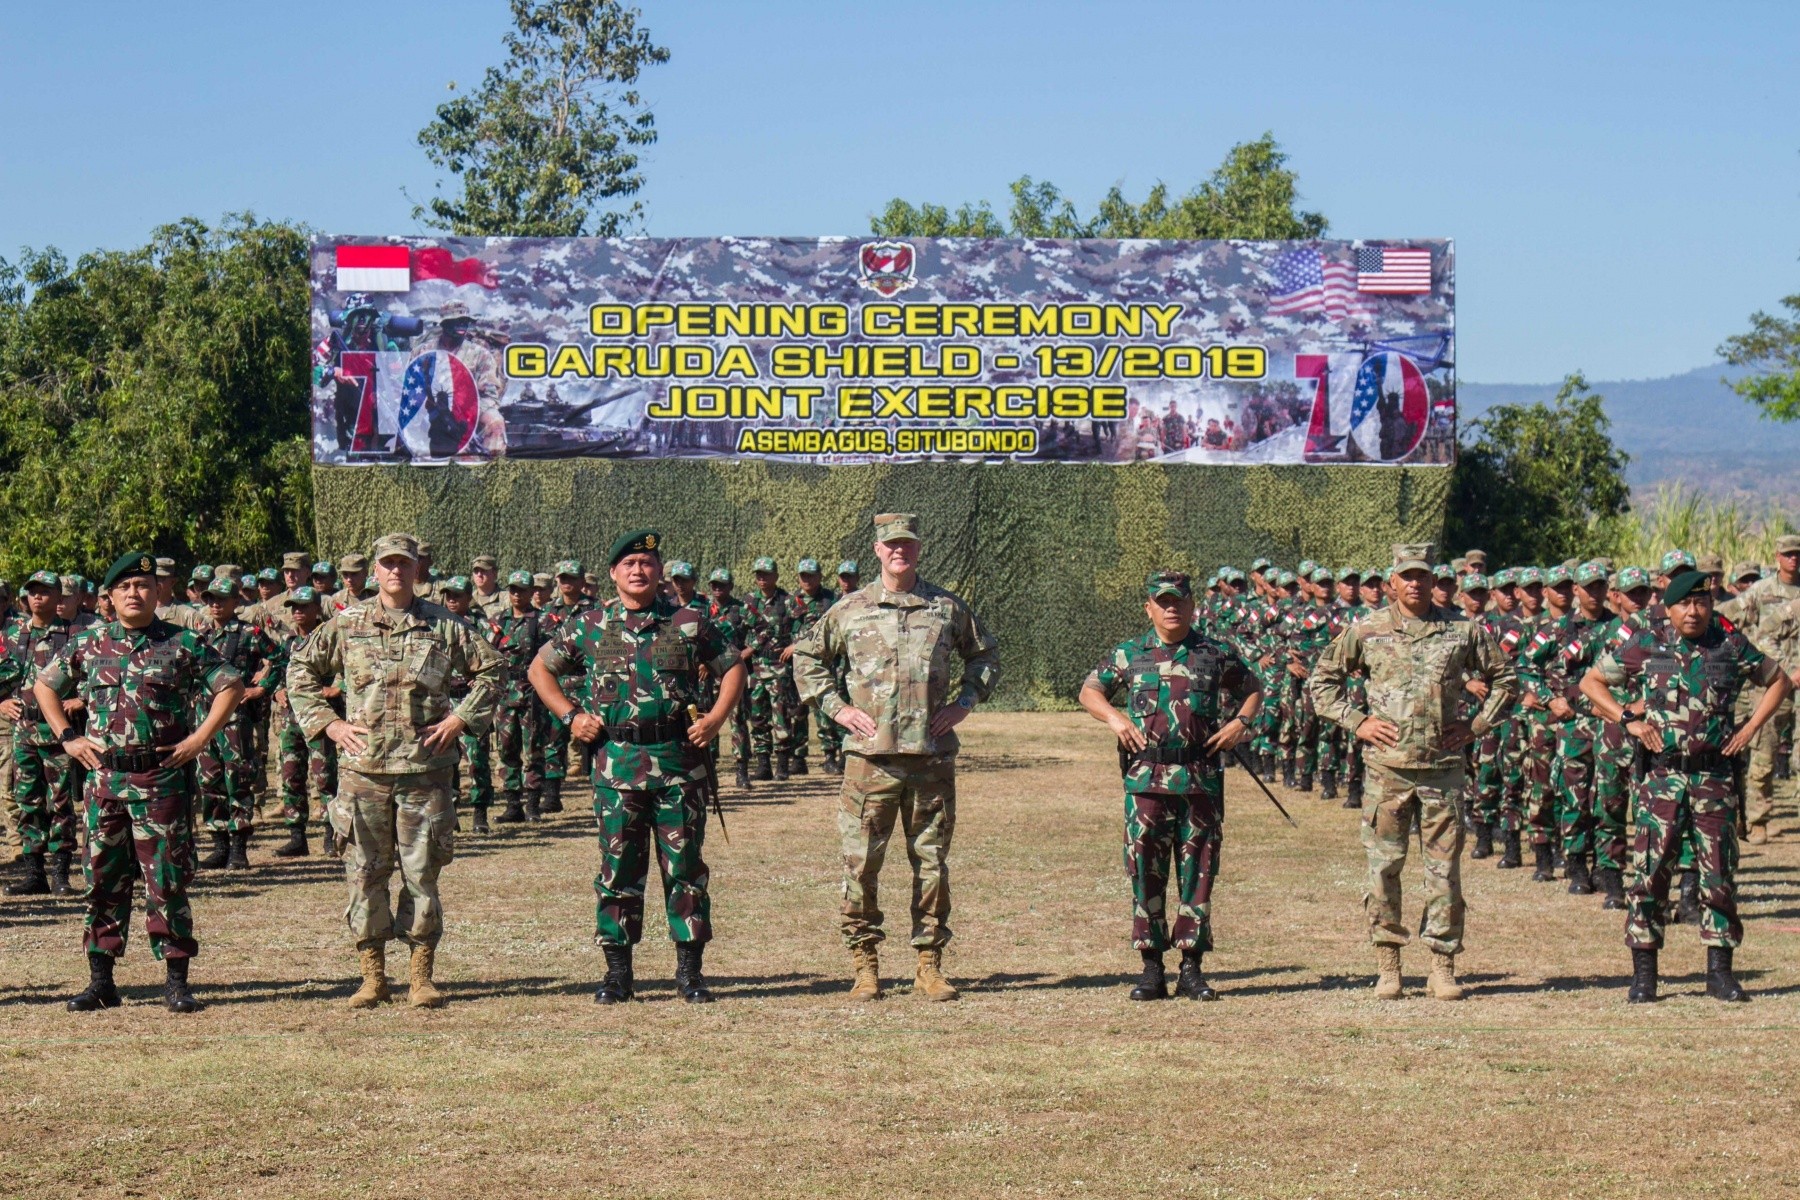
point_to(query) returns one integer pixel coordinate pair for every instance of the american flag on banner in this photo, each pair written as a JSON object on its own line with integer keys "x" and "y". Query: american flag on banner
{"x": 1393, "y": 272}
{"x": 1306, "y": 282}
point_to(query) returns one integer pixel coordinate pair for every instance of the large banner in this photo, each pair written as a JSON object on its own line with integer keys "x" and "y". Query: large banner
{"x": 838, "y": 350}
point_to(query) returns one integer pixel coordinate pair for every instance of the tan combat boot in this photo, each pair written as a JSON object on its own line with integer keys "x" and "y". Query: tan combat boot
{"x": 424, "y": 994}
{"x": 1759, "y": 835}
{"x": 1441, "y": 983}
{"x": 1388, "y": 987}
{"x": 374, "y": 989}
{"x": 868, "y": 972}
{"x": 930, "y": 982}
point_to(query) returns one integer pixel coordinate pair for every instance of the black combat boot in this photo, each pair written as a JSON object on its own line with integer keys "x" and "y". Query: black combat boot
{"x": 1687, "y": 909}
{"x": 35, "y": 882}
{"x": 833, "y": 765}
{"x": 176, "y": 997}
{"x": 1484, "y": 841}
{"x": 797, "y": 764}
{"x": 534, "y": 810}
{"x": 515, "y": 811}
{"x": 100, "y": 992}
{"x": 1152, "y": 984}
{"x": 552, "y": 801}
{"x": 1287, "y": 774}
{"x": 1643, "y": 977}
{"x": 221, "y": 852}
{"x": 1556, "y": 849}
{"x": 743, "y": 775}
{"x": 616, "y": 987}
{"x": 1190, "y": 983}
{"x": 1353, "y": 795}
{"x": 295, "y": 846}
{"x": 1271, "y": 767}
{"x": 1544, "y": 858}
{"x": 1509, "y": 858}
{"x": 1306, "y": 781}
{"x": 59, "y": 874}
{"x": 1721, "y": 984}
{"x": 479, "y": 822}
{"x": 762, "y": 774}
{"x": 781, "y": 765}
{"x": 1581, "y": 882}
{"x": 1328, "y": 785}
{"x": 239, "y": 857}
{"x": 1610, "y": 881}
{"x": 688, "y": 979}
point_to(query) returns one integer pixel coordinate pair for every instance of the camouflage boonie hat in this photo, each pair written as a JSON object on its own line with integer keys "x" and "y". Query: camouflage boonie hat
{"x": 1631, "y": 579}
{"x": 569, "y": 566}
{"x": 458, "y": 584}
{"x": 1556, "y": 576}
{"x": 1475, "y": 581}
{"x": 1527, "y": 576}
{"x": 165, "y": 568}
{"x": 680, "y": 570}
{"x": 1675, "y": 561}
{"x": 296, "y": 560}
{"x": 720, "y": 575}
{"x": 268, "y": 575}
{"x": 222, "y": 588}
{"x": 896, "y": 527}
{"x": 301, "y": 595}
{"x": 403, "y": 544}
{"x": 1443, "y": 571}
{"x": 543, "y": 579}
{"x": 849, "y": 567}
{"x": 807, "y": 566}
{"x": 324, "y": 568}
{"x": 761, "y": 565}
{"x": 485, "y": 562}
{"x": 1788, "y": 543}
{"x": 49, "y": 579}
{"x": 353, "y": 562}
{"x": 1412, "y": 556}
{"x": 1588, "y": 572}
{"x": 1167, "y": 583}
{"x": 1745, "y": 570}
{"x": 520, "y": 579}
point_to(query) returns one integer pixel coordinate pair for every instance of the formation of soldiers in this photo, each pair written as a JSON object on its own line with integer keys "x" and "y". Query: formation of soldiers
{"x": 1577, "y": 709}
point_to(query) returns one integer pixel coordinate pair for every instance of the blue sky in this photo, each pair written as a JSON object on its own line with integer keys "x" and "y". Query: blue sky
{"x": 1622, "y": 180}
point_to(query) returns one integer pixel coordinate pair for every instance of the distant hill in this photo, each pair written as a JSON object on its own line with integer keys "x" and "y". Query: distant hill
{"x": 1689, "y": 428}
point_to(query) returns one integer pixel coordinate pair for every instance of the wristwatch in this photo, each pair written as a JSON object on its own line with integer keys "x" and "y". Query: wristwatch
{"x": 69, "y": 734}
{"x": 966, "y": 703}
{"x": 567, "y": 719}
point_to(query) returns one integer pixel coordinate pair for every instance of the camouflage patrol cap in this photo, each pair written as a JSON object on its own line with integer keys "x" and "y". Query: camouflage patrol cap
{"x": 720, "y": 575}
{"x": 1412, "y": 556}
{"x": 135, "y": 562}
{"x": 295, "y": 560}
{"x": 72, "y": 585}
{"x": 1556, "y": 576}
{"x": 1260, "y": 564}
{"x": 1710, "y": 564}
{"x": 639, "y": 541}
{"x": 849, "y": 567}
{"x": 49, "y": 579}
{"x": 223, "y": 588}
{"x": 896, "y": 527}
{"x": 248, "y": 581}
{"x": 1168, "y": 583}
{"x": 543, "y": 579}
{"x": 1323, "y": 575}
{"x": 761, "y": 565}
{"x": 1306, "y": 568}
{"x": 1588, "y": 572}
{"x": 1443, "y": 571}
{"x": 1348, "y": 573}
{"x": 485, "y": 562}
{"x": 353, "y": 562}
{"x": 227, "y": 571}
{"x": 1285, "y": 579}
{"x": 1459, "y": 565}
{"x": 1529, "y": 577}
{"x": 1604, "y": 561}
{"x": 324, "y": 568}
{"x": 1631, "y": 579}
{"x": 457, "y": 585}
{"x": 268, "y": 575}
{"x": 680, "y": 570}
{"x": 1674, "y": 562}
{"x": 1746, "y": 570}
{"x": 200, "y": 574}
{"x": 300, "y": 596}
{"x": 454, "y": 310}
{"x": 807, "y": 566}
{"x": 1475, "y": 581}
{"x": 591, "y": 579}
{"x": 1788, "y": 543}
{"x": 1505, "y": 577}
{"x": 425, "y": 549}
{"x": 165, "y": 568}
{"x": 1232, "y": 574}
{"x": 570, "y": 566}
{"x": 1475, "y": 558}
{"x": 520, "y": 579}
{"x": 401, "y": 545}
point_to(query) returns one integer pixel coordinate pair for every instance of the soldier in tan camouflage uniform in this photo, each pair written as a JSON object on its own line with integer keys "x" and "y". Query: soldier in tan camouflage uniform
{"x": 397, "y": 747}
{"x": 1417, "y": 657}
{"x": 457, "y": 335}
{"x": 1755, "y": 611}
{"x": 489, "y": 598}
{"x": 894, "y": 642}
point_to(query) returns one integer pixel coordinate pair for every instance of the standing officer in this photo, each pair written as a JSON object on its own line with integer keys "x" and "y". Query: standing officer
{"x": 226, "y": 768}
{"x": 138, "y": 678}
{"x": 730, "y": 615}
{"x": 1758, "y": 607}
{"x": 44, "y": 777}
{"x": 879, "y": 665}
{"x": 570, "y": 602}
{"x": 397, "y": 750}
{"x": 1170, "y": 742}
{"x": 1683, "y": 682}
{"x": 519, "y": 723}
{"x": 305, "y": 763}
{"x": 459, "y": 598}
{"x": 1417, "y": 657}
{"x": 810, "y": 603}
{"x": 488, "y": 596}
{"x": 772, "y": 617}
{"x": 640, "y": 658}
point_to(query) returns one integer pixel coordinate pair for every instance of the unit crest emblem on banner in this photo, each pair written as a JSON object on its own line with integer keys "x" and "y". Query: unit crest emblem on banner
{"x": 886, "y": 267}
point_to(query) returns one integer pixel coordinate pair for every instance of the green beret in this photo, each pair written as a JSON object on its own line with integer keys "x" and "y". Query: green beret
{"x": 642, "y": 541}
{"x": 1682, "y": 585}
{"x": 137, "y": 562}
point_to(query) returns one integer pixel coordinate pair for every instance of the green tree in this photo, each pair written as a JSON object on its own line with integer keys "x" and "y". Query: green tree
{"x": 1541, "y": 482}
{"x": 1772, "y": 349}
{"x": 1252, "y": 194}
{"x": 156, "y": 398}
{"x": 551, "y": 135}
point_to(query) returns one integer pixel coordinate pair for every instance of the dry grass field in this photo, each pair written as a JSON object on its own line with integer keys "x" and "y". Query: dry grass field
{"x": 1043, "y": 1080}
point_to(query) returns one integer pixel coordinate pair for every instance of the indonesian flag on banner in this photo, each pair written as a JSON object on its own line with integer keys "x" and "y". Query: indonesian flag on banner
{"x": 374, "y": 269}
{"x": 434, "y": 262}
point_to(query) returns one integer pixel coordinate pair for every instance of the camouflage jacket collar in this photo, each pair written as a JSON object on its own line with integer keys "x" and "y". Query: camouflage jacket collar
{"x": 396, "y": 619}
{"x": 157, "y": 629}
{"x": 880, "y": 593}
{"x": 1393, "y": 619}
{"x": 658, "y": 612}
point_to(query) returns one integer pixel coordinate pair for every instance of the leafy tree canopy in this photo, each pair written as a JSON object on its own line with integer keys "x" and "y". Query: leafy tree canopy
{"x": 1771, "y": 348}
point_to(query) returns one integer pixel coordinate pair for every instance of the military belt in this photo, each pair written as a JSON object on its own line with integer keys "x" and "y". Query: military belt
{"x": 135, "y": 760}
{"x": 1700, "y": 761}
{"x": 1170, "y": 756}
{"x": 647, "y": 733}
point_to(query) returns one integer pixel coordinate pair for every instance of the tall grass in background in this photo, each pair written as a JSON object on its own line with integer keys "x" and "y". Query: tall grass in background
{"x": 1676, "y": 516}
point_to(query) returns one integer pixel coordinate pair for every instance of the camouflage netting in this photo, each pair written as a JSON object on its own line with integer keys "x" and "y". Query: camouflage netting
{"x": 1051, "y": 556}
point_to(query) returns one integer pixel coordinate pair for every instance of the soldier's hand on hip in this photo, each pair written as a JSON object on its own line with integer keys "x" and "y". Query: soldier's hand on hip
{"x": 786, "y": 653}
{"x": 1649, "y": 737}
{"x": 855, "y": 720}
{"x": 183, "y": 752}
{"x": 947, "y": 718}
{"x": 10, "y": 709}
{"x": 349, "y": 738}
{"x": 1740, "y": 741}
{"x": 1378, "y": 732}
{"x": 85, "y": 752}
{"x": 443, "y": 735}
{"x": 585, "y": 727}
{"x": 1129, "y": 735}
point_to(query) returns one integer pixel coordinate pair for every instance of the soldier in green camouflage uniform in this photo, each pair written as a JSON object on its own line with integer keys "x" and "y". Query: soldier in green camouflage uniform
{"x": 892, "y": 645}
{"x": 305, "y": 765}
{"x": 1575, "y": 772}
{"x": 397, "y": 751}
{"x": 810, "y": 602}
{"x": 729, "y": 614}
{"x": 1487, "y": 760}
{"x": 570, "y": 602}
{"x": 1682, "y": 682}
{"x": 771, "y": 616}
{"x": 1417, "y": 657}
{"x": 458, "y": 594}
{"x": 641, "y": 657}
{"x": 138, "y": 678}
{"x": 44, "y": 775}
{"x": 226, "y": 767}
{"x": 1171, "y": 740}
{"x": 521, "y": 726}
